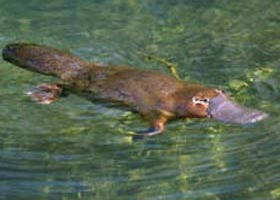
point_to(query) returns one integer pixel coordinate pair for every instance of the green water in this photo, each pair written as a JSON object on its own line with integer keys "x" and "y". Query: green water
{"x": 74, "y": 149}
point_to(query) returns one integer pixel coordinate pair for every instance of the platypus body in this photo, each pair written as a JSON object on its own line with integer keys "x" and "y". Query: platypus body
{"x": 156, "y": 96}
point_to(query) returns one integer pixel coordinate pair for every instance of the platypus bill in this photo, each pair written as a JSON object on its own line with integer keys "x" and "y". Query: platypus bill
{"x": 156, "y": 96}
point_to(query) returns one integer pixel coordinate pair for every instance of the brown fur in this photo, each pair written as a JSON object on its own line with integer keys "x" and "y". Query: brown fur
{"x": 157, "y": 96}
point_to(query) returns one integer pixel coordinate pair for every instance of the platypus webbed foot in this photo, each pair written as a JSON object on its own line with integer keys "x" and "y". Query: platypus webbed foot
{"x": 157, "y": 127}
{"x": 150, "y": 132}
{"x": 146, "y": 133}
{"x": 46, "y": 93}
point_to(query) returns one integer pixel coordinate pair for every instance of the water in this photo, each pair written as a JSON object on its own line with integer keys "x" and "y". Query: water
{"x": 74, "y": 149}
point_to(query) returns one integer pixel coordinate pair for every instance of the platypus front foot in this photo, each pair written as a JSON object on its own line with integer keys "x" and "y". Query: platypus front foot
{"x": 150, "y": 132}
{"x": 158, "y": 127}
{"x": 146, "y": 133}
{"x": 46, "y": 93}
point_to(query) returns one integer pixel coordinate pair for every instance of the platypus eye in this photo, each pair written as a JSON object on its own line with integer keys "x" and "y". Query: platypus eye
{"x": 201, "y": 101}
{"x": 205, "y": 100}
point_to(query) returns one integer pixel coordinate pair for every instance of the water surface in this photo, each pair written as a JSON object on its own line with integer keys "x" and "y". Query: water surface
{"x": 74, "y": 149}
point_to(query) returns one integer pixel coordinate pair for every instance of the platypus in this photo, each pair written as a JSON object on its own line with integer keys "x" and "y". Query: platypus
{"x": 158, "y": 97}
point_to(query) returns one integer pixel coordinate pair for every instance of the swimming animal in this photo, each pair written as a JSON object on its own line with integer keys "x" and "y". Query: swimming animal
{"x": 158, "y": 97}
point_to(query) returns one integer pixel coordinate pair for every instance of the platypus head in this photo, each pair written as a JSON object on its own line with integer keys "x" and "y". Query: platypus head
{"x": 215, "y": 104}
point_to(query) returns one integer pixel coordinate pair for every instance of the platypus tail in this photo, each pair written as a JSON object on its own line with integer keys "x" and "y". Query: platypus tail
{"x": 43, "y": 59}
